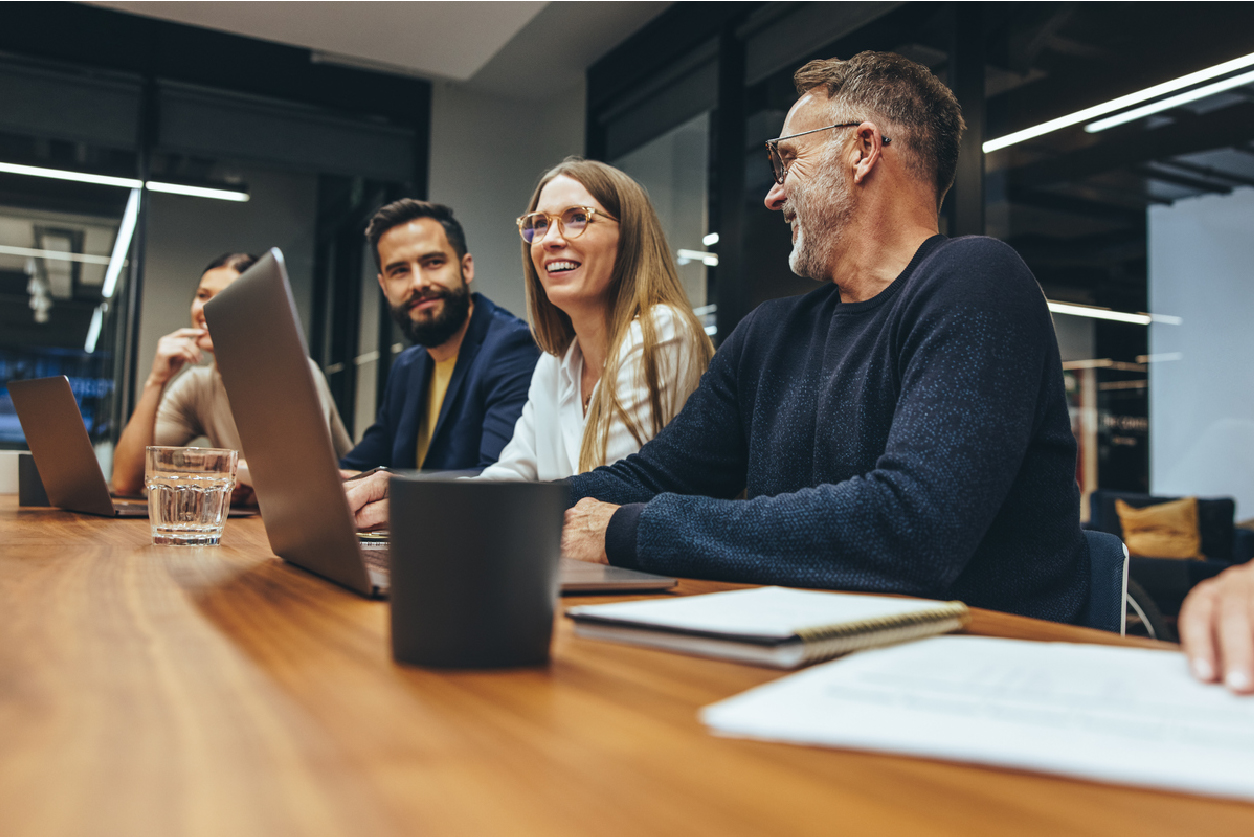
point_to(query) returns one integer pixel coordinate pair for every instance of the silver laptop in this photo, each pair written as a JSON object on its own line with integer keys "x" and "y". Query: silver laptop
{"x": 58, "y": 440}
{"x": 261, "y": 355}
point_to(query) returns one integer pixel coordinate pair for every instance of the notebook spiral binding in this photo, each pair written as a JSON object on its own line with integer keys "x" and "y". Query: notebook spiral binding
{"x": 824, "y": 642}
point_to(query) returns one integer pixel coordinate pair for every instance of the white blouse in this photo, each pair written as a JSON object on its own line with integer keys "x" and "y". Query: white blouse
{"x": 549, "y": 433}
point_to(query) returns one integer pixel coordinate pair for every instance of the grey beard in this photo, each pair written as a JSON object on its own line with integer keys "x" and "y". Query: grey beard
{"x": 824, "y": 218}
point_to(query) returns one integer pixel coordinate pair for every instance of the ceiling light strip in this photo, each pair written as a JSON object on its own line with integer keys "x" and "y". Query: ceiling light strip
{"x": 93, "y": 330}
{"x": 125, "y": 182}
{"x": 197, "y": 191}
{"x": 1098, "y": 313}
{"x": 1170, "y": 102}
{"x": 121, "y": 245}
{"x": 54, "y": 255}
{"x": 1119, "y": 103}
{"x": 75, "y": 176}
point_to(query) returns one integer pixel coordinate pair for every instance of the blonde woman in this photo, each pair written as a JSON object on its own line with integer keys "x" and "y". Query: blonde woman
{"x": 622, "y": 348}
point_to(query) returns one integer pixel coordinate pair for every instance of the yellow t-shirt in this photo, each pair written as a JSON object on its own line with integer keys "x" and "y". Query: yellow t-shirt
{"x": 436, "y": 388}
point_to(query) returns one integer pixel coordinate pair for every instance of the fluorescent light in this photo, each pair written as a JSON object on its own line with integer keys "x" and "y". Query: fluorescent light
{"x": 1098, "y": 313}
{"x": 711, "y": 330}
{"x": 1170, "y": 102}
{"x": 55, "y": 255}
{"x": 710, "y": 240}
{"x": 708, "y": 259}
{"x": 76, "y": 176}
{"x": 124, "y": 182}
{"x": 197, "y": 191}
{"x": 1119, "y": 103}
{"x": 93, "y": 330}
{"x": 121, "y": 245}
{"x": 1162, "y": 358}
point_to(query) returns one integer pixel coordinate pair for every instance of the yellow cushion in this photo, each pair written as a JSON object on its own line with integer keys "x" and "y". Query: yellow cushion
{"x": 1168, "y": 530}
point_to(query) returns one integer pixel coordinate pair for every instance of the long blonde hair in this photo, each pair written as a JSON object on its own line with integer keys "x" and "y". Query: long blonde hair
{"x": 643, "y": 276}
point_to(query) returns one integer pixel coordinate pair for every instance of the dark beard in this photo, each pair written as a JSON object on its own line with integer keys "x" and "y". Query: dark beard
{"x": 437, "y": 330}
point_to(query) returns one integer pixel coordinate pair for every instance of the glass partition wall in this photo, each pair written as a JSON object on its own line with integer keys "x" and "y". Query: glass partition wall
{"x": 69, "y": 203}
{"x": 117, "y": 189}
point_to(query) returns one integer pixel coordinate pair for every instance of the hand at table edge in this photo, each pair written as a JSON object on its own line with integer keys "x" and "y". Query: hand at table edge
{"x": 1217, "y": 629}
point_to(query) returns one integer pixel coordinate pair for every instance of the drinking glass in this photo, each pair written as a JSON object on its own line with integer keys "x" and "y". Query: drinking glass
{"x": 189, "y": 492}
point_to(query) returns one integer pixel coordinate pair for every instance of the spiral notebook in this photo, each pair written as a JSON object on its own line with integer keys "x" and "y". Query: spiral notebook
{"x": 768, "y": 626}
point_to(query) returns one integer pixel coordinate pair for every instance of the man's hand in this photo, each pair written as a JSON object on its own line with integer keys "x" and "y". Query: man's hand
{"x": 174, "y": 350}
{"x": 583, "y": 535}
{"x": 1217, "y": 629}
{"x": 368, "y": 500}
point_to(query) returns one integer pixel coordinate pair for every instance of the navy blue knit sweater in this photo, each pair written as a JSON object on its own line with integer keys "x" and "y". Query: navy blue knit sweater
{"x": 917, "y": 442}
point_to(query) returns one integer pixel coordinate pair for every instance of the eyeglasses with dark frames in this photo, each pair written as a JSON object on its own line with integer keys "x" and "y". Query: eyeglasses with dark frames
{"x": 571, "y": 223}
{"x": 779, "y": 169}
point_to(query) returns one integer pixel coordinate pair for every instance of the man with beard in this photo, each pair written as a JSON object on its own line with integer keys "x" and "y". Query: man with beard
{"x": 902, "y": 429}
{"x": 452, "y": 400}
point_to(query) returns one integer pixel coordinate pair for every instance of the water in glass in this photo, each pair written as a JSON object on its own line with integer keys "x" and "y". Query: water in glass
{"x": 189, "y": 492}
{"x": 188, "y": 509}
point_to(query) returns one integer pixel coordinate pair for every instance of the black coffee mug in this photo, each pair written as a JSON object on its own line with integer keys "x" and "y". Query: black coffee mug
{"x": 474, "y": 570}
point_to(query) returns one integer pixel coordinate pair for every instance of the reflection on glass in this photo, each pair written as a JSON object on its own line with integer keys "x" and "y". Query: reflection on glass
{"x": 57, "y": 242}
{"x": 674, "y": 169}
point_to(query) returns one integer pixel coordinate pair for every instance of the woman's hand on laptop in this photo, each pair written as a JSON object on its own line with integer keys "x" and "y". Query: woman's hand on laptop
{"x": 368, "y": 500}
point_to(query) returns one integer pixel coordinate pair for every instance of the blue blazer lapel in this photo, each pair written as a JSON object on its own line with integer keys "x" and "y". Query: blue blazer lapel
{"x": 476, "y": 332}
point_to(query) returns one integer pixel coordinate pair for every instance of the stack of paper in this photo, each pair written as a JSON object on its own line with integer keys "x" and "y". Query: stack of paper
{"x": 1124, "y": 715}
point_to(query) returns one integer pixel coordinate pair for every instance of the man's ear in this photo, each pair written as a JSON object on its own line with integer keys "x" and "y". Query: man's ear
{"x": 381, "y": 286}
{"x": 468, "y": 268}
{"x": 870, "y": 147}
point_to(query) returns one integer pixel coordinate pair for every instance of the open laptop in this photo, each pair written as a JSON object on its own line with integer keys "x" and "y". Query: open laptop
{"x": 261, "y": 355}
{"x": 58, "y": 440}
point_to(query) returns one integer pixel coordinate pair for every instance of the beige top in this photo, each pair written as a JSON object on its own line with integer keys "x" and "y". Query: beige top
{"x": 195, "y": 404}
{"x": 437, "y": 388}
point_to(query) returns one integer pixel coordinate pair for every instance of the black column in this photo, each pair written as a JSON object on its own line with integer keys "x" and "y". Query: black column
{"x": 733, "y": 294}
{"x": 965, "y": 204}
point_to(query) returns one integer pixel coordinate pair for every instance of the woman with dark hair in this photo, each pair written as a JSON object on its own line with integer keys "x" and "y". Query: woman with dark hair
{"x": 195, "y": 404}
{"x": 622, "y": 348}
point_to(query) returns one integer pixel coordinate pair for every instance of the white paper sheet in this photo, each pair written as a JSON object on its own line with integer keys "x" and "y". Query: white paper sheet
{"x": 763, "y": 611}
{"x": 1123, "y": 715}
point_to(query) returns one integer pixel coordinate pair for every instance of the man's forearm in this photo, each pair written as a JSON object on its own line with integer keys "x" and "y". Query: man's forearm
{"x": 128, "y": 456}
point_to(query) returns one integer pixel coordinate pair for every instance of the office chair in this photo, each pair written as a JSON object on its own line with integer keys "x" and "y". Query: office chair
{"x": 1108, "y": 582}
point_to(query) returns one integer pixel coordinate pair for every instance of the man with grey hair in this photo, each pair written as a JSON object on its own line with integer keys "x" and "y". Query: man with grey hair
{"x": 901, "y": 429}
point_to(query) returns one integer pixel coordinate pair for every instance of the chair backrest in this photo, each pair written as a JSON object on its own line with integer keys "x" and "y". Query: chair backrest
{"x": 1108, "y": 582}
{"x": 1215, "y": 517}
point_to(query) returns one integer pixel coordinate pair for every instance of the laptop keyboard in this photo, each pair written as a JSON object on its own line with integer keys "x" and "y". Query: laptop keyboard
{"x": 376, "y": 557}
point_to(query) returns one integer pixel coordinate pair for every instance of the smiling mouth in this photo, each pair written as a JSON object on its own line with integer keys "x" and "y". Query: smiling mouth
{"x": 561, "y": 267}
{"x": 423, "y": 302}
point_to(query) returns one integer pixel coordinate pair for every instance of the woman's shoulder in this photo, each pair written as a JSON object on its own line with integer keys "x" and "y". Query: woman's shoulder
{"x": 667, "y": 324}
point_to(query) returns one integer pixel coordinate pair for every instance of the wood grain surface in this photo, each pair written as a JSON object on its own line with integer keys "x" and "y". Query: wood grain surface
{"x": 219, "y": 691}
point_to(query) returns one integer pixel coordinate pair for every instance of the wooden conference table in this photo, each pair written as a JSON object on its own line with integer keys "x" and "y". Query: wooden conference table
{"x": 218, "y": 691}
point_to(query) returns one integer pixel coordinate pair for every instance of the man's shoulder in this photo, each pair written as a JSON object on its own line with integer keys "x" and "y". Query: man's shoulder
{"x": 972, "y": 265}
{"x": 974, "y": 252}
{"x": 504, "y": 333}
{"x": 499, "y": 319}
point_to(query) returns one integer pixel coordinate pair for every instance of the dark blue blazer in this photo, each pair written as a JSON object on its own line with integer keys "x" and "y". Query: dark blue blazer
{"x": 484, "y": 399}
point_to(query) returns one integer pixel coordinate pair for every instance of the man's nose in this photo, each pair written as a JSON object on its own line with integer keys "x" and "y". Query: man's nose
{"x": 775, "y": 197}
